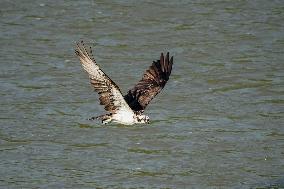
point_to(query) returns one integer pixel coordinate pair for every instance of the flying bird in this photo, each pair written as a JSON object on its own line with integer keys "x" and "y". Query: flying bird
{"x": 127, "y": 109}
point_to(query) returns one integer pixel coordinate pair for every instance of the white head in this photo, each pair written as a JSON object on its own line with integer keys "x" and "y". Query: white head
{"x": 142, "y": 119}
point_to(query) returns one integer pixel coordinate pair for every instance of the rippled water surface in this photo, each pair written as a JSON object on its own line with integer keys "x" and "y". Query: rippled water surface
{"x": 217, "y": 124}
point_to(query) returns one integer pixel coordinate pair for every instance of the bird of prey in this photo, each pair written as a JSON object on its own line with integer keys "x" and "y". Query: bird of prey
{"x": 127, "y": 109}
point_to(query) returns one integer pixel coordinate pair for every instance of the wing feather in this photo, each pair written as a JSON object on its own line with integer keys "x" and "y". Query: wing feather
{"x": 109, "y": 92}
{"x": 152, "y": 82}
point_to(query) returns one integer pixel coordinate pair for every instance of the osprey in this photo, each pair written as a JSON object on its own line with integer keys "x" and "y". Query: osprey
{"x": 127, "y": 109}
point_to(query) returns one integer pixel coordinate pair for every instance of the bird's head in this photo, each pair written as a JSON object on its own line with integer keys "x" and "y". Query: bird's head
{"x": 143, "y": 119}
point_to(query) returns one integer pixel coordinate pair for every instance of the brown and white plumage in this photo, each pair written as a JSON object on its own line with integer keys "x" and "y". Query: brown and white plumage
{"x": 152, "y": 82}
{"x": 125, "y": 109}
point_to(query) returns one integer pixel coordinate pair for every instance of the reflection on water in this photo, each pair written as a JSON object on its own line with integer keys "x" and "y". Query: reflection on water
{"x": 218, "y": 123}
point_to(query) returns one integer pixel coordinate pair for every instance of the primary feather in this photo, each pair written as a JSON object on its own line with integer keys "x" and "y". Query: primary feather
{"x": 110, "y": 95}
{"x": 152, "y": 82}
{"x": 126, "y": 109}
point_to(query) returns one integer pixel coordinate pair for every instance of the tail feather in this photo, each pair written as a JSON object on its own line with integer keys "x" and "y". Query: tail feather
{"x": 104, "y": 118}
{"x": 97, "y": 117}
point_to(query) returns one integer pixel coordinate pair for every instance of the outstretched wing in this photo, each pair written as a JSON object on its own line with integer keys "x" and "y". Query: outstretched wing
{"x": 152, "y": 82}
{"x": 110, "y": 94}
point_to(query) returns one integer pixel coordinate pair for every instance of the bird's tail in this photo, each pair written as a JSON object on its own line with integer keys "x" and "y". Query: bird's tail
{"x": 104, "y": 118}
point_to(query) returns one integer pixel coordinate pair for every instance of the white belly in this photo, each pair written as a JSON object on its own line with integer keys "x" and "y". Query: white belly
{"x": 123, "y": 117}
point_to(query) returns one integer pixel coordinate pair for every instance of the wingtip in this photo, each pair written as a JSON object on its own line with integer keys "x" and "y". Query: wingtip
{"x": 170, "y": 59}
{"x": 78, "y": 43}
{"x": 167, "y": 64}
{"x": 78, "y": 49}
{"x": 162, "y": 56}
{"x": 167, "y": 56}
{"x": 77, "y": 52}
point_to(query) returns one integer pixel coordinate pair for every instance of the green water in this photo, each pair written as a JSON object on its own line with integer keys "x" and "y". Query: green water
{"x": 217, "y": 124}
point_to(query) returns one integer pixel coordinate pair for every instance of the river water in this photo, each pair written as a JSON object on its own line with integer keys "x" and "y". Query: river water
{"x": 217, "y": 124}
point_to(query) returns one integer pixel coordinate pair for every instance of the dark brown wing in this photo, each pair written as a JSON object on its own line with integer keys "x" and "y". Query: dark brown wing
{"x": 110, "y": 95}
{"x": 152, "y": 82}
